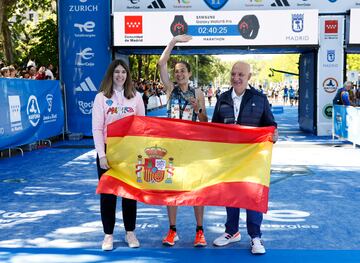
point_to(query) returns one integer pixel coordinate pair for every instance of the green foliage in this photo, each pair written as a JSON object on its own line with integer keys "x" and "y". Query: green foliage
{"x": 29, "y": 39}
{"x": 208, "y": 67}
{"x": 44, "y": 43}
{"x": 212, "y": 70}
{"x": 261, "y": 68}
{"x": 353, "y": 62}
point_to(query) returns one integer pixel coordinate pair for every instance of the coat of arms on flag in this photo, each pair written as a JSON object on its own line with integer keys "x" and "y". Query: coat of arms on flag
{"x": 155, "y": 166}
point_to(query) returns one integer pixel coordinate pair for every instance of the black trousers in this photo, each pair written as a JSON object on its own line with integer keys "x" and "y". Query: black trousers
{"x": 108, "y": 208}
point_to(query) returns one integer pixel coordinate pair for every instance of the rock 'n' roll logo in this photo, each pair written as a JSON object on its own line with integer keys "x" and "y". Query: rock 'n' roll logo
{"x": 155, "y": 167}
{"x": 249, "y": 27}
{"x": 178, "y": 26}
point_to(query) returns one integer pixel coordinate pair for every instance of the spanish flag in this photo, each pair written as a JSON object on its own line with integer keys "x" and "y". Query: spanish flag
{"x": 175, "y": 162}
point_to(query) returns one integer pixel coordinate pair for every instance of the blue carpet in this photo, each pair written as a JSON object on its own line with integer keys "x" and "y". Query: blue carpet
{"x": 49, "y": 211}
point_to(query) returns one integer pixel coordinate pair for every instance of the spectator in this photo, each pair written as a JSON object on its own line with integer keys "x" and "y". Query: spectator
{"x": 285, "y": 95}
{"x": 30, "y": 63}
{"x": 24, "y": 74}
{"x": 40, "y": 75}
{"x": 342, "y": 96}
{"x": 49, "y": 74}
{"x": 146, "y": 95}
{"x": 32, "y": 72}
{"x": 291, "y": 95}
{"x": 217, "y": 93}
{"x": 5, "y": 72}
{"x": 13, "y": 71}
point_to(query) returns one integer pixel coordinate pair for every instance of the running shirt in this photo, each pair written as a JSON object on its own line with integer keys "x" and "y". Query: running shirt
{"x": 179, "y": 106}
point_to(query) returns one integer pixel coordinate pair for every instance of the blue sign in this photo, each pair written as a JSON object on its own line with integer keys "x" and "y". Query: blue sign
{"x": 297, "y": 22}
{"x": 330, "y": 55}
{"x": 346, "y": 122}
{"x": 340, "y": 125}
{"x": 84, "y": 36}
{"x": 31, "y": 110}
{"x": 216, "y": 4}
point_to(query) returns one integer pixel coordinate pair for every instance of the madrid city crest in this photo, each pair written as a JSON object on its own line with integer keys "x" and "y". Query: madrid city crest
{"x": 297, "y": 22}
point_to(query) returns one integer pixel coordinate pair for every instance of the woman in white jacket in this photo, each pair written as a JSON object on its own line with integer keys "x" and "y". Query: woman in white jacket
{"x": 116, "y": 99}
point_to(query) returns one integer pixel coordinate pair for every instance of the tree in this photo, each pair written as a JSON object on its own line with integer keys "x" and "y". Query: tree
{"x": 353, "y": 62}
{"x": 44, "y": 43}
{"x": 13, "y": 29}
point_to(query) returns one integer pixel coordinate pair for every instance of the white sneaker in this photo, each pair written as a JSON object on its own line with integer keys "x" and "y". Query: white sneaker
{"x": 131, "y": 239}
{"x": 108, "y": 242}
{"x": 257, "y": 246}
{"x": 226, "y": 239}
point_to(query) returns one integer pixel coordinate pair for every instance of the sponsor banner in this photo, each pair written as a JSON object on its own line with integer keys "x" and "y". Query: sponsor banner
{"x": 339, "y": 121}
{"x": 32, "y": 110}
{"x": 306, "y": 91}
{"x": 346, "y": 123}
{"x": 353, "y": 124}
{"x": 84, "y": 31}
{"x": 230, "y": 28}
{"x": 330, "y": 68}
{"x": 352, "y": 75}
{"x": 354, "y": 35}
{"x": 324, "y": 6}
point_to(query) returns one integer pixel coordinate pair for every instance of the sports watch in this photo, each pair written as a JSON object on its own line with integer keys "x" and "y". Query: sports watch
{"x": 178, "y": 26}
{"x": 249, "y": 26}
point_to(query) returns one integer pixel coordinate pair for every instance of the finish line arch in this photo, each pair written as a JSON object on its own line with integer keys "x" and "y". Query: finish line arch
{"x": 90, "y": 37}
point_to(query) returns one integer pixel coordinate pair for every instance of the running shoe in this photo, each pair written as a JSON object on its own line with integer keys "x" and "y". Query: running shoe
{"x": 131, "y": 239}
{"x": 170, "y": 238}
{"x": 226, "y": 239}
{"x": 200, "y": 239}
{"x": 257, "y": 246}
{"x": 108, "y": 242}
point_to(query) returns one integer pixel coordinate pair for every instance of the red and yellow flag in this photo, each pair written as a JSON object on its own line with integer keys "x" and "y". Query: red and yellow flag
{"x": 174, "y": 162}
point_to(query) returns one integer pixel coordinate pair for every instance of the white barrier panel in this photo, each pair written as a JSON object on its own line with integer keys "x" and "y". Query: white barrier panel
{"x": 353, "y": 124}
{"x": 354, "y": 35}
{"x": 156, "y": 102}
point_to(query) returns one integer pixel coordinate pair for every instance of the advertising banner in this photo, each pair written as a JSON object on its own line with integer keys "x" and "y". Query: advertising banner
{"x": 324, "y": 6}
{"x": 31, "y": 110}
{"x": 330, "y": 69}
{"x": 84, "y": 38}
{"x": 227, "y": 28}
{"x": 307, "y": 91}
{"x": 339, "y": 121}
{"x": 347, "y": 123}
{"x": 353, "y": 124}
{"x": 354, "y": 35}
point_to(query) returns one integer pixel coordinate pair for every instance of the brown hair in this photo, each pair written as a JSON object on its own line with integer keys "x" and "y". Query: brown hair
{"x": 187, "y": 65}
{"x": 106, "y": 85}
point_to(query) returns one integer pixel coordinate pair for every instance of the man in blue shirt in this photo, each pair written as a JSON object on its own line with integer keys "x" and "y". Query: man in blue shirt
{"x": 342, "y": 96}
{"x": 243, "y": 105}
